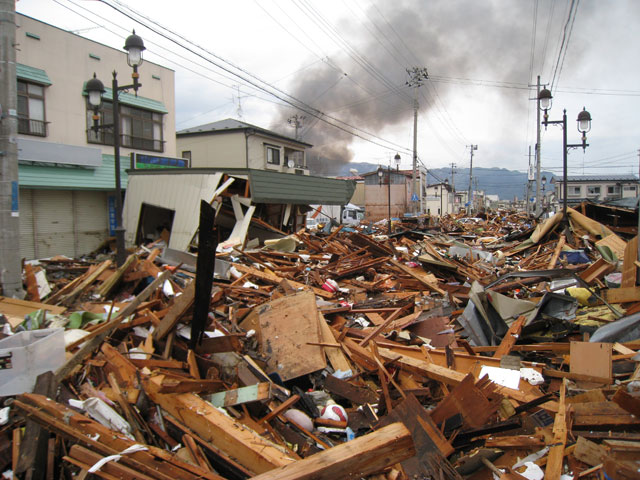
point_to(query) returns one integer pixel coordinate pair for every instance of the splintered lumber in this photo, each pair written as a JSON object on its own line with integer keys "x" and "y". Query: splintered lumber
{"x": 622, "y": 294}
{"x": 360, "y": 457}
{"x": 274, "y": 279}
{"x": 431, "y": 446}
{"x": 589, "y": 452}
{"x": 629, "y": 269}
{"x": 630, "y": 403}
{"x": 106, "y": 329}
{"x": 556, "y": 452}
{"x": 510, "y": 338}
{"x": 284, "y": 328}
{"x": 176, "y": 311}
{"x": 423, "y": 367}
{"x": 420, "y": 275}
{"x": 353, "y": 393}
{"x": 111, "y": 282}
{"x": 89, "y": 279}
{"x": 336, "y": 357}
{"x": 475, "y": 401}
{"x": 57, "y": 418}
{"x": 238, "y": 396}
{"x": 556, "y": 252}
{"x": 252, "y": 451}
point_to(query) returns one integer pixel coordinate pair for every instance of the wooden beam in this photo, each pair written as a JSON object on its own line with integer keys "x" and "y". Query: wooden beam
{"x": 252, "y": 451}
{"x": 556, "y": 452}
{"x": 556, "y": 252}
{"x": 358, "y": 458}
{"x": 274, "y": 279}
{"x": 510, "y": 338}
{"x": 180, "y": 305}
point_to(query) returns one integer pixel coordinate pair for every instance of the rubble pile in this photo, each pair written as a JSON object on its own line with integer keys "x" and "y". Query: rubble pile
{"x": 479, "y": 348}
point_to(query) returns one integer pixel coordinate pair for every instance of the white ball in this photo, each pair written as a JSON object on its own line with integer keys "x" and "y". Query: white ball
{"x": 299, "y": 417}
{"x": 334, "y": 412}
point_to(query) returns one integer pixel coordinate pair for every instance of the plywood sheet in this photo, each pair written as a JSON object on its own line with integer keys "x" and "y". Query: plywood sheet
{"x": 286, "y": 327}
{"x": 592, "y": 359}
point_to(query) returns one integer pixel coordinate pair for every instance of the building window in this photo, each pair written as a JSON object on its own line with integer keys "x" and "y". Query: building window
{"x": 629, "y": 188}
{"x": 187, "y": 154}
{"x": 613, "y": 190}
{"x": 593, "y": 191}
{"x": 31, "y": 119}
{"x": 139, "y": 129}
{"x": 574, "y": 191}
{"x": 273, "y": 155}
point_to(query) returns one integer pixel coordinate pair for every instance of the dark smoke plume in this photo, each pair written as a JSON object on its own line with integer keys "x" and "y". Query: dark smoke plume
{"x": 462, "y": 39}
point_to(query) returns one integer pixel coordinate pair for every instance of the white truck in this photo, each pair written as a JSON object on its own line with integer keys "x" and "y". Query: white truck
{"x": 350, "y": 214}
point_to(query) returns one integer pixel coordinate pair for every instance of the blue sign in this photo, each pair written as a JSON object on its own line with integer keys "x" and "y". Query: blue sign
{"x": 414, "y": 198}
{"x": 111, "y": 205}
{"x": 154, "y": 161}
{"x": 15, "y": 195}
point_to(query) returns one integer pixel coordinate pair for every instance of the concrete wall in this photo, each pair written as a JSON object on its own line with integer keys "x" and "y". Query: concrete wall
{"x": 71, "y": 60}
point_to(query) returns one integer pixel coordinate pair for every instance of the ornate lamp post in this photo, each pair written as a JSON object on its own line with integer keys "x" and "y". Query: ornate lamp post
{"x": 94, "y": 89}
{"x": 584, "y": 125}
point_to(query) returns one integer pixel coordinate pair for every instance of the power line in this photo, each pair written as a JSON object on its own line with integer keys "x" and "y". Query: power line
{"x": 256, "y": 81}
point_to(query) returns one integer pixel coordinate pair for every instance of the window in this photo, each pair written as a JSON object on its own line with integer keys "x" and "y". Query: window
{"x": 574, "y": 191}
{"x": 593, "y": 191}
{"x": 613, "y": 190}
{"x": 273, "y": 155}
{"x": 31, "y": 120}
{"x": 139, "y": 129}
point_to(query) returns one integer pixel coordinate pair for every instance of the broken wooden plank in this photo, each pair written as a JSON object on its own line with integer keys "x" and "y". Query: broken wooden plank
{"x": 86, "y": 283}
{"x": 180, "y": 306}
{"x": 360, "y": 457}
{"x": 594, "y": 359}
{"x": 237, "y": 396}
{"x": 252, "y": 451}
{"x": 109, "y": 284}
{"x": 556, "y": 452}
{"x": 510, "y": 338}
{"x": 274, "y": 279}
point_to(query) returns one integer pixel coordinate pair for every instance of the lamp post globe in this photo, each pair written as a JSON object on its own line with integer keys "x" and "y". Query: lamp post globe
{"x": 134, "y": 47}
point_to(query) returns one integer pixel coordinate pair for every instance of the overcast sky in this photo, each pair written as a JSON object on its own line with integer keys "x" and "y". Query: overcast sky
{"x": 346, "y": 62}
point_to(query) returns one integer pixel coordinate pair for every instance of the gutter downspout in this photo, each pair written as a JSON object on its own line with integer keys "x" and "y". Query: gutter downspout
{"x": 247, "y": 133}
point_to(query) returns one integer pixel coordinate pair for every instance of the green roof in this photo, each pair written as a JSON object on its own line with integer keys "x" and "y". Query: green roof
{"x": 275, "y": 187}
{"x": 33, "y": 74}
{"x": 73, "y": 178}
{"x": 133, "y": 100}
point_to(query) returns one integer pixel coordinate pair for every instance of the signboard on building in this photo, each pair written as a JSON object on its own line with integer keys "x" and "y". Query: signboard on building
{"x": 143, "y": 161}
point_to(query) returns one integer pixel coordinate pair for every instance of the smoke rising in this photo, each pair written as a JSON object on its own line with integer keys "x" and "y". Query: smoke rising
{"x": 462, "y": 39}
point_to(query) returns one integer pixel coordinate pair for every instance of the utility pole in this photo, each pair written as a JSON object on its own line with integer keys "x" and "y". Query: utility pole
{"x": 10, "y": 263}
{"x": 453, "y": 186}
{"x": 472, "y": 148}
{"x": 296, "y": 123}
{"x": 538, "y": 156}
{"x": 417, "y": 76}
{"x": 529, "y": 183}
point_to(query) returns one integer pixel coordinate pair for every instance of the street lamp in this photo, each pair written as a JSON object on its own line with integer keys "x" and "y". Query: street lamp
{"x": 544, "y": 183}
{"x": 94, "y": 89}
{"x": 584, "y": 125}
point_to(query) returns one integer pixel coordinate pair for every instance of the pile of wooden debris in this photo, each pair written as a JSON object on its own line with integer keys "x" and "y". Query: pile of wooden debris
{"x": 486, "y": 347}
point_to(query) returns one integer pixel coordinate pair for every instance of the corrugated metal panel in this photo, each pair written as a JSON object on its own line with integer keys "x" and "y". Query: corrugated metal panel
{"x": 92, "y": 221}
{"x": 181, "y": 193}
{"x": 27, "y": 240}
{"x": 33, "y": 74}
{"x": 53, "y": 211}
{"x": 99, "y": 178}
{"x": 276, "y": 187}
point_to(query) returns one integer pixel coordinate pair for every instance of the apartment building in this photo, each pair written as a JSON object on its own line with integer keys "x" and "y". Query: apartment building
{"x": 66, "y": 169}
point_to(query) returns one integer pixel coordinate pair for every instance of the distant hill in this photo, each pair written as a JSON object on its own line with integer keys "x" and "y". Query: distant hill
{"x": 505, "y": 183}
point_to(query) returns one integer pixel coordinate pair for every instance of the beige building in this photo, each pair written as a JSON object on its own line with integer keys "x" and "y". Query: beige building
{"x": 66, "y": 170}
{"x": 596, "y": 187}
{"x": 231, "y": 143}
{"x": 439, "y": 199}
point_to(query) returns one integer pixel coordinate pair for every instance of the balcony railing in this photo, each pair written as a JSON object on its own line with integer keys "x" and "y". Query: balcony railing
{"x": 29, "y": 126}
